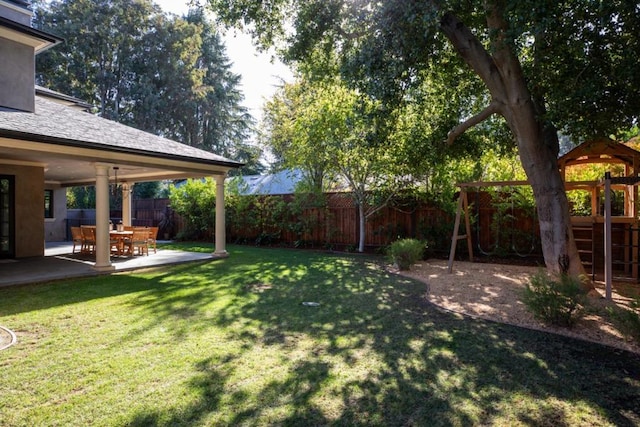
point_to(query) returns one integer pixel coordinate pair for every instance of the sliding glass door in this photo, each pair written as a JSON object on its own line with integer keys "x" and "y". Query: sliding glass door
{"x": 7, "y": 229}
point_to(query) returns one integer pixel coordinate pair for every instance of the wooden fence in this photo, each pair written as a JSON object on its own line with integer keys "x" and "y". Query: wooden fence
{"x": 498, "y": 226}
{"x": 336, "y": 225}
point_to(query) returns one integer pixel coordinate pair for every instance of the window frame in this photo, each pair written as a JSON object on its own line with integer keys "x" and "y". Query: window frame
{"x": 49, "y": 213}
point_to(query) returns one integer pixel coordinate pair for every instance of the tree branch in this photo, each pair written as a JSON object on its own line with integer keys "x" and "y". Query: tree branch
{"x": 504, "y": 56}
{"x": 373, "y": 209}
{"x": 473, "y": 53}
{"x": 491, "y": 109}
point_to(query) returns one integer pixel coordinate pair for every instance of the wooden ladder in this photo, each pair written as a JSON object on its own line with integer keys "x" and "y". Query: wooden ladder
{"x": 463, "y": 206}
{"x": 583, "y": 234}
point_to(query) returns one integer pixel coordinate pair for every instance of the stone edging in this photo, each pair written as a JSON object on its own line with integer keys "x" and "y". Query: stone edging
{"x": 11, "y": 334}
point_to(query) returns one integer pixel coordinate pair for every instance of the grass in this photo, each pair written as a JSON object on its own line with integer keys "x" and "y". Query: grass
{"x": 228, "y": 342}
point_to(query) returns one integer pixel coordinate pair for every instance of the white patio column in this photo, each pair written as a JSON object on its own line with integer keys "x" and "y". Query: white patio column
{"x": 221, "y": 237}
{"x": 103, "y": 262}
{"x": 126, "y": 204}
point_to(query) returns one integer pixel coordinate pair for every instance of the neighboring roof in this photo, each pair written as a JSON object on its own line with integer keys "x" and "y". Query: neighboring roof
{"x": 283, "y": 182}
{"x": 602, "y": 150}
{"x": 57, "y": 124}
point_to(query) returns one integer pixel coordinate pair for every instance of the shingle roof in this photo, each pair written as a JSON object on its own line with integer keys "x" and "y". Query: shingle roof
{"x": 55, "y": 123}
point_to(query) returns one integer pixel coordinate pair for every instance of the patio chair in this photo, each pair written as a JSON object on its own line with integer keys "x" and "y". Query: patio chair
{"x": 153, "y": 236}
{"x": 115, "y": 245}
{"x": 89, "y": 239}
{"x": 139, "y": 240}
{"x": 76, "y": 238}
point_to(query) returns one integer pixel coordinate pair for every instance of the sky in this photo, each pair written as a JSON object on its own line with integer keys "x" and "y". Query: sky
{"x": 260, "y": 76}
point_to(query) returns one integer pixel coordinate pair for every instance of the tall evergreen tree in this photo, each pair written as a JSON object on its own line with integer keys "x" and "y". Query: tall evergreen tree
{"x": 101, "y": 40}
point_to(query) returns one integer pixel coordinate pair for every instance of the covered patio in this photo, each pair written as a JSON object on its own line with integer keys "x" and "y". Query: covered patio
{"x": 58, "y": 263}
{"x": 60, "y": 146}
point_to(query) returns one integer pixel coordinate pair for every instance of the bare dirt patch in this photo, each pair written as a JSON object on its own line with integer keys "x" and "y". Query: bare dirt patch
{"x": 494, "y": 292}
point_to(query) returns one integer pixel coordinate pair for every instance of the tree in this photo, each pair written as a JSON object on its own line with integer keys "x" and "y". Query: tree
{"x": 191, "y": 94}
{"x": 81, "y": 198}
{"x": 195, "y": 201}
{"x": 148, "y": 190}
{"x": 296, "y": 133}
{"x": 419, "y": 135}
{"x": 101, "y": 42}
{"x": 368, "y": 168}
{"x": 543, "y": 65}
{"x": 223, "y": 122}
{"x": 321, "y": 127}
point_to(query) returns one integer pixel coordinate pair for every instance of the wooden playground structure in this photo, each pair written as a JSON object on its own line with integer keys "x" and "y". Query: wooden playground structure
{"x": 590, "y": 231}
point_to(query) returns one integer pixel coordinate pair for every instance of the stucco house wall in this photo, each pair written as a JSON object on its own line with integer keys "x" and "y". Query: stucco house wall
{"x": 29, "y": 208}
{"x": 16, "y": 75}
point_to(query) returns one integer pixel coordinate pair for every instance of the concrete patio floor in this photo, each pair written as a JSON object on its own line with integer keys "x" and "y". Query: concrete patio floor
{"x": 59, "y": 263}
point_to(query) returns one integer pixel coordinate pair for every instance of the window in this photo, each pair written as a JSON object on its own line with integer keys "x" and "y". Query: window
{"x": 7, "y": 230}
{"x": 48, "y": 203}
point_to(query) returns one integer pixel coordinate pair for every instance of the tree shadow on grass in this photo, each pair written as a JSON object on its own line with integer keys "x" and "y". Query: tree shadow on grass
{"x": 431, "y": 368}
{"x": 374, "y": 352}
{"x": 209, "y": 386}
{"x": 297, "y": 389}
{"x": 42, "y": 296}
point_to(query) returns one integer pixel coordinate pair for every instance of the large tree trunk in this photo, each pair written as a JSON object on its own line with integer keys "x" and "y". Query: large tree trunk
{"x": 538, "y": 148}
{"x": 540, "y": 163}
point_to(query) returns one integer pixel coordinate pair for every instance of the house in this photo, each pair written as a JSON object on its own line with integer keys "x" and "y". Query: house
{"x": 286, "y": 181}
{"x": 277, "y": 183}
{"x": 48, "y": 142}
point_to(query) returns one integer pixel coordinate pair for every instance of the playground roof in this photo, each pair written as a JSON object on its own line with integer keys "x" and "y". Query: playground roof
{"x": 603, "y": 150}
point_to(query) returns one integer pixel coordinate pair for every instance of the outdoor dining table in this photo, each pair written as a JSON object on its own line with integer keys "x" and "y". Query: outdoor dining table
{"x": 120, "y": 237}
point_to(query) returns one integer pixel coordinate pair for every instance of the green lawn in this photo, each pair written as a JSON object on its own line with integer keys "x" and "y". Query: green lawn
{"x": 229, "y": 342}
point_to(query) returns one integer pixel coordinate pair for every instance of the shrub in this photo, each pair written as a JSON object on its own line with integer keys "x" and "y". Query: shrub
{"x": 437, "y": 235}
{"x": 627, "y": 320}
{"x": 558, "y": 301}
{"x": 254, "y": 218}
{"x": 195, "y": 202}
{"x": 406, "y": 252}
